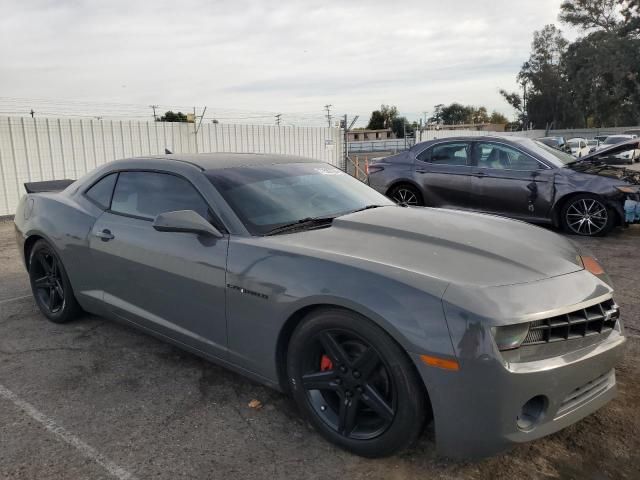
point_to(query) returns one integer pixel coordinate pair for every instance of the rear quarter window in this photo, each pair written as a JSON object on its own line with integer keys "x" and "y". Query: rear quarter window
{"x": 101, "y": 191}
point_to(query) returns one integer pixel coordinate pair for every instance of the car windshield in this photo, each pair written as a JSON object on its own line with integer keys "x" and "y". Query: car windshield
{"x": 573, "y": 143}
{"x": 270, "y": 196}
{"x": 615, "y": 139}
{"x": 552, "y": 155}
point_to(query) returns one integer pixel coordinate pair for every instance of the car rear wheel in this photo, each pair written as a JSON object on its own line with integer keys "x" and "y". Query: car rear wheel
{"x": 50, "y": 284}
{"x": 406, "y": 195}
{"x": 587, "y": 215}
{"x": 355, "y": 384}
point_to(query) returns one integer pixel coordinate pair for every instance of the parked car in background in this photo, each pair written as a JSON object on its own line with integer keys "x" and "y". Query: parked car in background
{"x": 593, "y": 145}
{"x": 374, "y": 317}
{"x": 559, "y": 143}
{"x": 577, "y": 147}
{"x": 626, "y": 157}
{"x": 633, "y": 131}
{"x": 514, "y": 177}
{"x": 601, "y": 138}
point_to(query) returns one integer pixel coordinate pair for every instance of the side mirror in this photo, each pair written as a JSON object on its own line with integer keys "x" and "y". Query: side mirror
{"x": 185, "y": 221}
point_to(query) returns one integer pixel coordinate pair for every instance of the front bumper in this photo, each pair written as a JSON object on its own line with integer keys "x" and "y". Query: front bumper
{"x": 476, "y": 408}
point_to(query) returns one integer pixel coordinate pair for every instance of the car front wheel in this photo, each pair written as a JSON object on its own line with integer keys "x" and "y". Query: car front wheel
{"x": 355, "y": 384}
{"x": 587, "y": 215}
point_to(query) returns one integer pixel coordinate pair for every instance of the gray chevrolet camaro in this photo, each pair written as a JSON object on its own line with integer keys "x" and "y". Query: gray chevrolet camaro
{"x": 375, "y": 317}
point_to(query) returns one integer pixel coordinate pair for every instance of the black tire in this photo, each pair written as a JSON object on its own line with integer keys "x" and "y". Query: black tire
{"x": 373, "y": 402}
{"x": 406, "y": 195}
{"x": 50, "y": 284}
{"x": 587, "y": 215}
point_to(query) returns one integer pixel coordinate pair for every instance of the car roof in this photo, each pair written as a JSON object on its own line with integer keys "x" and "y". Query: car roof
{"x": 215, "y": 161}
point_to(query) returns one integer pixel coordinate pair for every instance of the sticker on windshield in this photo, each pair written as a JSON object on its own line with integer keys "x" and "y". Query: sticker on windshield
{"x": 328, "y": 171}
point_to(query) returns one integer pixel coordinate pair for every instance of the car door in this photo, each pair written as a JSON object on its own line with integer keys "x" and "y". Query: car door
{"x": 508, "y": 181}
{"x": 170, "y": 282}
{"x": 444, "y": 173}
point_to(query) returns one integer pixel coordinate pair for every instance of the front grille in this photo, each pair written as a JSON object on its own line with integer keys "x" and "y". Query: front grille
{"x": 593, "y": 320}
{"x": 586, "y": 392}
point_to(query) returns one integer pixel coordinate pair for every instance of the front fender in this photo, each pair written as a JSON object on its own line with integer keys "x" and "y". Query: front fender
{"x": 266, "y": 287}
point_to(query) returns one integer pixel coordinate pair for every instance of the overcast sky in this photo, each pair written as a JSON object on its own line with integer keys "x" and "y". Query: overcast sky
{"x": 261, "y": 56}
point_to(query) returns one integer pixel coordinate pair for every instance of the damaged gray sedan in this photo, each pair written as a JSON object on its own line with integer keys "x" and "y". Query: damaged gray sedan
{"x": 376, "y": 318}
{"x": 514, "y": 177}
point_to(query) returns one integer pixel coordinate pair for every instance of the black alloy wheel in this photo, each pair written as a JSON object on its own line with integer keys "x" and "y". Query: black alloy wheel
{"x": 587, "y": 215}
{"x": 406, "y": 195}
{"x": 355, "y": 384}
{"x": 348, "y": 385}
{"x": 50, "y": 285}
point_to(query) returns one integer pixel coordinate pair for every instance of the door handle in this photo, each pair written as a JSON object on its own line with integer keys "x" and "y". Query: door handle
{"x": 105, "y": 235}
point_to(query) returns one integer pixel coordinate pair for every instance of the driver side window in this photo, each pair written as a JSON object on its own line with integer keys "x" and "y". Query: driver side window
{"x": 498, "y": 156}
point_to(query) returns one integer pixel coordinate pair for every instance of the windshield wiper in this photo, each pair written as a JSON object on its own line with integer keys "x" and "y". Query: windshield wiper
{"x": 303, "y": 224}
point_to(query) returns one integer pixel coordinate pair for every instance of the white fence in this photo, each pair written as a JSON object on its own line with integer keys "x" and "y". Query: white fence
{"x": 38, "y": 149}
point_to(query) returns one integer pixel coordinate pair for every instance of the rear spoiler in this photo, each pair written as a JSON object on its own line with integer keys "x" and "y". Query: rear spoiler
{"x": 47, "y": 186}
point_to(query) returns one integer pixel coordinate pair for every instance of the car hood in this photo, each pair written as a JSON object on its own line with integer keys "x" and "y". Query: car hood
{"x": 607, "y": 150}
{"x": 449, "y": 245}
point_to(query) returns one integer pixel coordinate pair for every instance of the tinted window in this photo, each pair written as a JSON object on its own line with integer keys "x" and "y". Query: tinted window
{"x": 269, "y": 196}
{"x": 101, "y": 191}
{"x": 146, "y": 194}
{"x": 494, "y": 155}
{"x": 447, "y": 154}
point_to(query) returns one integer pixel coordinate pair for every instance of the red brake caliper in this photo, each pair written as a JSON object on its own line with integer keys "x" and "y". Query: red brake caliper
{"x": 325, "y": 363}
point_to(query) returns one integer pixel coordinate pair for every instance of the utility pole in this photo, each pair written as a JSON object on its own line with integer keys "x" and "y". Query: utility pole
{"x": 328, "y": 109}
{"x": 278, "y": 119}
{"x": 424, "y": 114}
{"x": 32, "y": 113}
{"x": 153, "y": 107}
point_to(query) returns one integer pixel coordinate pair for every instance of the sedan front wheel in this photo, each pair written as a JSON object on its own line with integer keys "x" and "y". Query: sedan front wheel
{"x": 587, "y": 215}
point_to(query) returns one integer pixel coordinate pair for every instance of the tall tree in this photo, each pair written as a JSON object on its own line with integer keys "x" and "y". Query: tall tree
{"x": 630, "y": 10}
{"x": 456, "y": 114}
{"x": 390, "y": 113}
{"x": 591, "y": 14}
{"x": 547, "y": 101}
{"x": 498, "y": 118}
{"x": 437, "y": 113}
{"x": 376, "y": 121}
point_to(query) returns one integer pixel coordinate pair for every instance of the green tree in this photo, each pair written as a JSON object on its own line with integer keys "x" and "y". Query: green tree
{"x": 630, "y": 10}
{"x": 498, "y": 118}
{"x": 437, "y": 114}
{"x": 603, "y": 74}
{"x": 548, "y": 101}
{"x": 456, "y": 114}
{"x": 400, "y": 126}
{"x": 382, "y": 118}
{"x": 376, "y": 121}
{"x": 390, "y": 113}
{"x": 591, "y": 14}
{"x": 173, "y": 117}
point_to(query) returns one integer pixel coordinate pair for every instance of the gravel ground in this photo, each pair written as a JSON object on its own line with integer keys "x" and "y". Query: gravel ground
{"x": 95, "y": 399}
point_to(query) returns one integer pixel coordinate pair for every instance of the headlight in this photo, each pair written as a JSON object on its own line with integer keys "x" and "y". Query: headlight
{"x": 509, "y": 337}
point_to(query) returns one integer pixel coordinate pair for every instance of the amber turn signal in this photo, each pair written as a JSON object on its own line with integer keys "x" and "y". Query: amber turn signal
{"x": 592, "y": 265}
{"x": 440, "y": 362}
